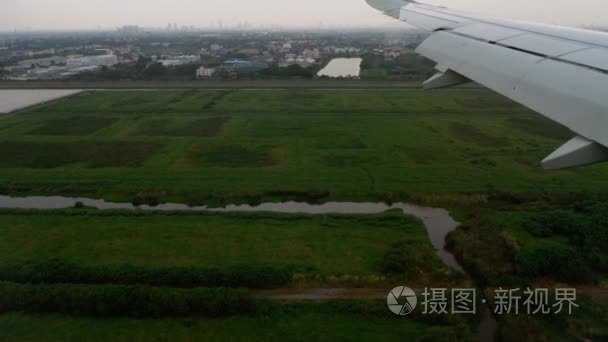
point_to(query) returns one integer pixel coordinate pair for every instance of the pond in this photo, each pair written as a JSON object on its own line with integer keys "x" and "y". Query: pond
{"x": 342, "y": 67}
{"x": 13, "y": 100}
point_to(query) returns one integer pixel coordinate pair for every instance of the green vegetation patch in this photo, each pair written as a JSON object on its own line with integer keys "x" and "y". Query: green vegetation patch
{"x": 346, "y": 159}
{"x": 418, "y": 154}
{"x": 74, "y": 126}
{"x": 324, "y": 245}
{"x": 485, "y": 102}
{"x": 353, "y": 145}
{"x": 332, "y": 321}
{"x": 208, "y": 127}
{"x": 131, "y": 103}
{"x": 91, "y": 154}
{"x": 483, "y": 251}
{"x": 121, "y": 300}
{"x": 518, "y": 246}
{"x": 587, "y": 322}
{"x": 473, "y": 134}
{"x": 575, "y": 239}
{"x": 56, "y": 271}
{"x": 538, "y": 126}
{"x": 235, "y": 156}
{"x": 215, "y": 99}
{"x": 405, "y": 67}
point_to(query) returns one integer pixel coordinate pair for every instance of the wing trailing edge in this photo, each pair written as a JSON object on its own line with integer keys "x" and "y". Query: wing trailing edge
{"x": 559, "y": 72}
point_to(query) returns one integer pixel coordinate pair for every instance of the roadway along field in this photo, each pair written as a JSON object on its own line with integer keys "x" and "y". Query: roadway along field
{"x": 240, "y": 84}
{"x": 231, "y": 146}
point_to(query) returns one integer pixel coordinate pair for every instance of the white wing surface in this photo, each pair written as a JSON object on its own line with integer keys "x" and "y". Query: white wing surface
{"x": 560, "y": 72}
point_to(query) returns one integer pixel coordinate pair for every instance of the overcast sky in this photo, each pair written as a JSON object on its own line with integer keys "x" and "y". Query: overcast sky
{"x": 91, "y": 14}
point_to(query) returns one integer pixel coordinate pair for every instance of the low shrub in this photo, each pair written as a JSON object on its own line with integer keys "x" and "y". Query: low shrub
{"x": 131, "y": 300}
{"x": 585, "y": 227}
{"x": 61, "y": 271}
{"x": 563, "y": 263}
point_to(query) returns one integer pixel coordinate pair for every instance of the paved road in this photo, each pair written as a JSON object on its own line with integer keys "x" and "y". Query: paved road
{"x": 262, "y": 84}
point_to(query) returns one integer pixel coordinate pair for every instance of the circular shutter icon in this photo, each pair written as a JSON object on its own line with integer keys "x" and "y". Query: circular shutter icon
{"x": 402, "y": 300}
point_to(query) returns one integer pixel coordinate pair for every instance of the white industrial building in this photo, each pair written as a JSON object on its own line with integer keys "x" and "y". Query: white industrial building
{"x": 203, "y": 72}
{"x": 180, "y": 60}
{"x": 88, "y": 61}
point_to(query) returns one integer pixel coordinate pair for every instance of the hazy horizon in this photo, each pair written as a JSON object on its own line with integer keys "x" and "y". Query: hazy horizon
{"x": 26, "y": 15}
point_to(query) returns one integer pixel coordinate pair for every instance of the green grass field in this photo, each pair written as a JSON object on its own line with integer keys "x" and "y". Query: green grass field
{"x": 196, "y": 146}
{"x": 311, "y": 245}
{"x": 294, "y": 323}
{"x": 218, "y": 147}
{"x": 320, "y": 247}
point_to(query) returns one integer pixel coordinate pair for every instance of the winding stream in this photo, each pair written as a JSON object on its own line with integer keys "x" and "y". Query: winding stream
{"x": 438, "y": 222}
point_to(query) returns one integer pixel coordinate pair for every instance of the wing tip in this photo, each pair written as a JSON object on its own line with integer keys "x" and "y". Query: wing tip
{"x": 389, "y": 7}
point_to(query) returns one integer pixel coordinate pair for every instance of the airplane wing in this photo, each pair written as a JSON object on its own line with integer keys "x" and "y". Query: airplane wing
{"x": 560, "y": 72}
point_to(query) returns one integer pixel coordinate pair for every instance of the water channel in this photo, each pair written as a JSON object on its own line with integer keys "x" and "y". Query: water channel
{"x": 437, "y": 222}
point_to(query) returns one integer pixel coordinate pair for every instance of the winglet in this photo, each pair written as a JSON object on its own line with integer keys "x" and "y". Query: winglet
{"x": 577, "y": 152}
{"x": 389, "y": 7}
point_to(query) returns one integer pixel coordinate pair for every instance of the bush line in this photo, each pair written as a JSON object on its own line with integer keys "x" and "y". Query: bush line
{"x": 132, "y": 301}
{"x": 60, "y": 271}
{"x": 389, "y": 216}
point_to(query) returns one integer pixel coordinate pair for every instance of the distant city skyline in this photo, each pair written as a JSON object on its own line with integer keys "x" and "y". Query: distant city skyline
{"x": 26, "y": 15}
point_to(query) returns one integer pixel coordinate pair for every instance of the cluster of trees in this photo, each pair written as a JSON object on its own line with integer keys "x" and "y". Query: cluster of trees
{"x": 127, "y": 300}
{"x": 3, "y": 71}
{"x": 406, "y": 67}
{"x": 143, "y": 70}
{"x": 58, "y": 271}
{"x": 586, "y": 230}
{"x": 291, "y": 71}
{"x": 560, "y": 262}
{"x": 157, "y": 197}
{"x": 397, "y": 260}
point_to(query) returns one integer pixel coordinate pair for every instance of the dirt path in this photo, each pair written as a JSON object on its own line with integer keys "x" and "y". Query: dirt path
{"x": 322, "y": 294}
{"x": 333, "y": 293}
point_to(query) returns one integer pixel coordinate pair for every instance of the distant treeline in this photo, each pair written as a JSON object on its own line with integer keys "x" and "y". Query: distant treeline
{"x": 142, "y": 70}
{"x": 290, "y": 71}
{"x": 406, "y": 67}
{"x": 146, "y": 70}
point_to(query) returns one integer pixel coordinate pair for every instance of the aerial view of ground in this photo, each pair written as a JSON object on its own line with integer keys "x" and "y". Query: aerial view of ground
{"x": 201, "y": 147}
{"x": 217, "y": 275}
